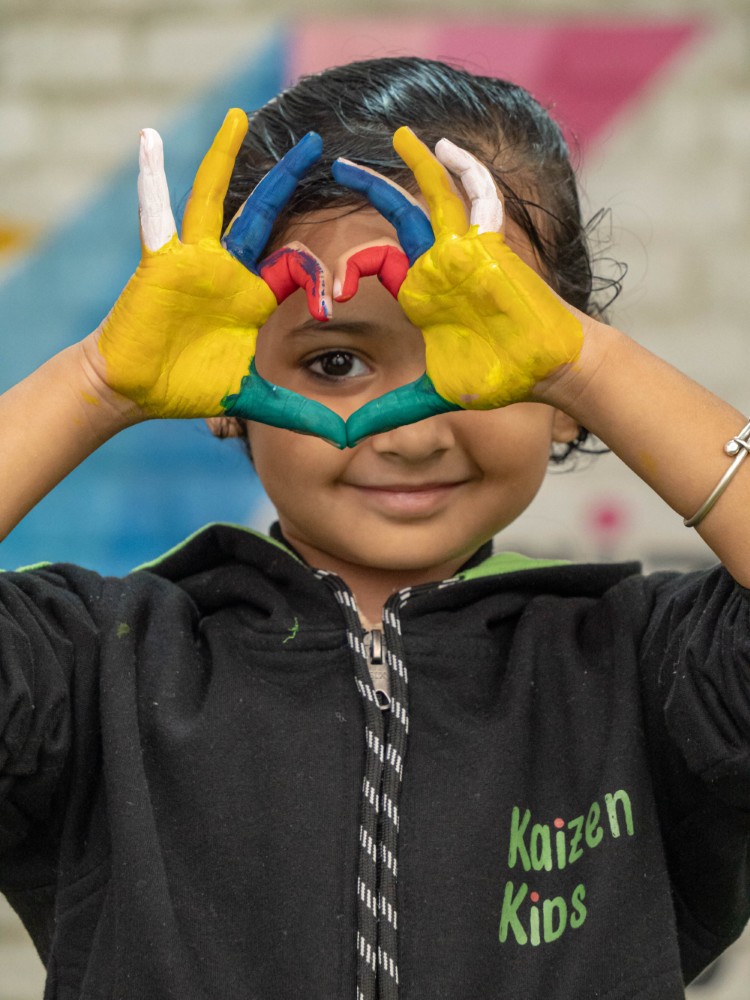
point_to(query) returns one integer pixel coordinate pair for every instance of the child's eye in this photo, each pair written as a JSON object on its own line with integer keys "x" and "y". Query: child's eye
{"x": 337, "y": 365}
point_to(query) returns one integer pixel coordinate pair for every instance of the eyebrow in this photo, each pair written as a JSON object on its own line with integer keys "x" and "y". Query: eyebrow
{"x": 346, "y": 326}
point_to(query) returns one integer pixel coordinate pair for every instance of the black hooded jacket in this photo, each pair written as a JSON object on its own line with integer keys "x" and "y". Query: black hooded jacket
{"x": 181, "y": 772}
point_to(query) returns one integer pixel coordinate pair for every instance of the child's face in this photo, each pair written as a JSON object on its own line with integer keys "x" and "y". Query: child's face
{"x": 419, "y": 498}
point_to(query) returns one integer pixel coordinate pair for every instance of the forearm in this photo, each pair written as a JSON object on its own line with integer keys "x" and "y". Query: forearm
{"x": 49, "y": 423}
{"x": 667, "y": 428}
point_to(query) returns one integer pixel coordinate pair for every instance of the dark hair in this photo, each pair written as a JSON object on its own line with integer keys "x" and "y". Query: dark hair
{"x": 356, "y": 108}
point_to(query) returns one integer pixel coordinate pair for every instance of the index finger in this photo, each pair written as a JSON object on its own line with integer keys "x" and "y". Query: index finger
{"x": 248, "y": 232}
{"x": 204, "y": 212}
{"x": 447, "y": 210}
{"x": 394, "y": 203}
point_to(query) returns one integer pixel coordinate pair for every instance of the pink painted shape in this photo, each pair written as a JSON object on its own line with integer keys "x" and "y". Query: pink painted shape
{"x": 316, "y": 45}
{"x": 585, "y": 71}
{"x": 607, "y": 518}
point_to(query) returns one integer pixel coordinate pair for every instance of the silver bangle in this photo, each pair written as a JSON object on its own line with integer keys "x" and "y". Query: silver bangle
{"x": 739, "y": 447}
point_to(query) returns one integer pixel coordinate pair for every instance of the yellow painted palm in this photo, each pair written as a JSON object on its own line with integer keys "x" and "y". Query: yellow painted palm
{"x": 180, "y": 340}
{"x": 492, "y": 327}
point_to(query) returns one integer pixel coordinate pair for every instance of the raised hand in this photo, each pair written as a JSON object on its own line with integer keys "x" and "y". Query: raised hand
{"x": 492, "y": 327}
{"x": 180, "y": 341}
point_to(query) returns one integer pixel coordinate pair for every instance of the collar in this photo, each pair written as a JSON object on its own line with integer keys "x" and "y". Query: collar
{"x": 482, "y": 553}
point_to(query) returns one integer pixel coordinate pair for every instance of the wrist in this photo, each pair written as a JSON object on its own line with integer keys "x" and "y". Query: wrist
{"x": 567, "y": 387}
{"x": 103, "y": 407}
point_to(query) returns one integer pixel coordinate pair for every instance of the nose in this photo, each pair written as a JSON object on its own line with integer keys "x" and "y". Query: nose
{"x": 418, "y": 442}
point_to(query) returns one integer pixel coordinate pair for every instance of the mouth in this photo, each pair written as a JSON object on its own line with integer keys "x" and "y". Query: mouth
{"x": 408, "y": 498}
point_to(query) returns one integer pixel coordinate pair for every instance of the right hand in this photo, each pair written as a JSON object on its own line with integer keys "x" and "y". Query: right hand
{"x": 180, "y": 340}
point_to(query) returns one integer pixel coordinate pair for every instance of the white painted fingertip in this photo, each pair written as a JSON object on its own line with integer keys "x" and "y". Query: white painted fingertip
{"x": 477, "y": 182}
{"x": 150, "y": 138}
{"x": 154, "y": 208}
{"x": 452, "y": 156}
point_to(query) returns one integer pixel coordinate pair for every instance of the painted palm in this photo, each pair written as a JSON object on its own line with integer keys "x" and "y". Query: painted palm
{"x": 492, "y": 327}
{"x": 180, "y": 340}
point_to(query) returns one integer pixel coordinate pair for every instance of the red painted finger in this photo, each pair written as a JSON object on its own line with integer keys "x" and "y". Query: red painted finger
{"x": 292, "y": 267}
{"x": 389, "y": 263}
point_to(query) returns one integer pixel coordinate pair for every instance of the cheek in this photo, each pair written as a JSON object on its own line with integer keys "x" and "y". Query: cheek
{"x": 290, "y": 464}
{"x": 511, "y": 444}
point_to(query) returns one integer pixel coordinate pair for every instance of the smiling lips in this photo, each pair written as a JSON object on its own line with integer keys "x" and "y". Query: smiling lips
{"x": 408, "y": 498}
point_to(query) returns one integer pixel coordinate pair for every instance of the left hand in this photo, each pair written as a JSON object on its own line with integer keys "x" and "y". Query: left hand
{"x": 492, "y": 327}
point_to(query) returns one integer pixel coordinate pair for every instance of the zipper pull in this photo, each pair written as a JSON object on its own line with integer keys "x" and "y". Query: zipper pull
{"x": 378, "y": 669}
{"x": 376, "y": 646}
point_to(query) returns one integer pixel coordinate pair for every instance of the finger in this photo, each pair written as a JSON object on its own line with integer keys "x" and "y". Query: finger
{"x": 395, "y": 205}
{"x": 386, "y": 260}
{"x": 154, "y": 209}
{"x": 405, "y": 405}
{"x": 477, "y": 182}
{"x": 249, "y": 230}
{"x": 447, "y": 210}
{"x": 294, "y": 266}
{"x": 204, "y": 213}
{"x": 259, "y": 399}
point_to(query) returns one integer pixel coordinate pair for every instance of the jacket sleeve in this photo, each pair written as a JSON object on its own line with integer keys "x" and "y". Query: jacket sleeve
{"x": 48, "y": 652}
{"x": 695, "y": 662}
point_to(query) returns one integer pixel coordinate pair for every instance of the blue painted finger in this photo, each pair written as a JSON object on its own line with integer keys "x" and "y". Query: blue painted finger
{"x": 249, "y": 230}
{"x": 405, "y": 405}
{"x": 410, "y": 221}
{"x": 261, "y": 400}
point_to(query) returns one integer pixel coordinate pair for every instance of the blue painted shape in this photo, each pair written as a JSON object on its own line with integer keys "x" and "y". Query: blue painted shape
{"x": 249, "y": 231}
{"x": 151, "y": 486}
{"x": 412, "y": 225}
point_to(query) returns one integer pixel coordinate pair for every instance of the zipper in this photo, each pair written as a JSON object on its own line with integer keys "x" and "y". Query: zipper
{"x": 377, "y": 942}
{"x": 378, "y": 668}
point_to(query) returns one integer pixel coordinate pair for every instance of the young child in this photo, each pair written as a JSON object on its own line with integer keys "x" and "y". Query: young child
{"x": 366, "y": 757}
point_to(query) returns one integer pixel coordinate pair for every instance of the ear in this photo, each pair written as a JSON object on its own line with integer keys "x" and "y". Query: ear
{"x": 564, "y": 428}
{"x": 226, "y": 427}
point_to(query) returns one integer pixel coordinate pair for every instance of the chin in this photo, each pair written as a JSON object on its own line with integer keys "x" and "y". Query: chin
{"x": 405, "y": 558}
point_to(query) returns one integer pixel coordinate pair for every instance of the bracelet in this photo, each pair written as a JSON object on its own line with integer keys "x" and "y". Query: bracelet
{"x": 739, "y": 447}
